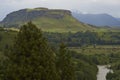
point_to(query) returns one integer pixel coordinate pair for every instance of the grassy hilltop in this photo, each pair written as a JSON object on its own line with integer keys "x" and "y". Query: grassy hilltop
{"x": 52, "y": 20}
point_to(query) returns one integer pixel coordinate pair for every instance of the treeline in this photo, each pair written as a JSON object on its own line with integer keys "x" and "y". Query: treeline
{"x": 32, "y": 58}
{"x": 115, "y": 73}
{"x": 1, "y": 29}
{"x": 85, "y": 38}
{"x": 77, "y": 39}
{"x": 113, "y": 59}
{"x": 106, "y": 58}
{"x": 6, "y": 38}
{"x": 86, "y": 69}
{"x": 115, "y": 67}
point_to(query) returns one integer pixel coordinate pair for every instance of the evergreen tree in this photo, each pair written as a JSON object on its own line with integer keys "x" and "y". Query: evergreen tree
{"x": 30, "y": 58}
{"x": 65, "y": 64}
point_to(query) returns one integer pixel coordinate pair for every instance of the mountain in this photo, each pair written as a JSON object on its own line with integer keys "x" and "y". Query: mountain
{"x": 46, "y": 19}
{"x": 118, "y": 19}
{"x": 97, "y": 19}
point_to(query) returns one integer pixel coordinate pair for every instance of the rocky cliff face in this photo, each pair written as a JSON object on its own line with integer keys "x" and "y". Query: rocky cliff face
{"x": 25, "y": 15}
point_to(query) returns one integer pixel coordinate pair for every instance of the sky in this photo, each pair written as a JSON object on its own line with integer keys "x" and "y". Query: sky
{"x": 111, "y": 7}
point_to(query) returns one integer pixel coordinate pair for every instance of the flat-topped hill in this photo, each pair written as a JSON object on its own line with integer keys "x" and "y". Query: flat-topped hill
{"x": 46, "y": 19}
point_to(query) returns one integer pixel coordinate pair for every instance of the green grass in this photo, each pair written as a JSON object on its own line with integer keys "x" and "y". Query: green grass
{"x": 35, "y": 9}
{"x": 66, "y": 24}
{"x": 100, "y": 49}
{"x": 6, "y": 38}
{"x": 1, "y": 56}
{"x": 52, "y": 21}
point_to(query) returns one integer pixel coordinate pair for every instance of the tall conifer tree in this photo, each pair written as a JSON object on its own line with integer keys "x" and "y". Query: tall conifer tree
{"x": 30, "y": 58}
{"x": 65, "y": 64}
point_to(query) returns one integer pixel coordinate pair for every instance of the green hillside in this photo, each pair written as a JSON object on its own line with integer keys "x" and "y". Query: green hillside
{"x": 47, "y": 19}
{"x": 6, "y": 38}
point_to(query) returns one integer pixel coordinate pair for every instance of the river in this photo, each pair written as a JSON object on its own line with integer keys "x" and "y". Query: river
{"x": 102, "y": 72}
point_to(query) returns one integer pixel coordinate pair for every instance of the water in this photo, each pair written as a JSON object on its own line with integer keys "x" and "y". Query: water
{"x": 103, "y": 70}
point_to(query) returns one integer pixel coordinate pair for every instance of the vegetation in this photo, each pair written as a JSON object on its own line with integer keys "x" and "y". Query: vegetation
{"x": 85, "y": 68}
{"x": 47, "y": 19}
{"x": 25, "y": 54}
{"x": 114, "y": 74}
{"x": 92, "y": 48}
{"x": 115, "y": 66}
{"x": 79, "y": 39}
{"x": 86, "y": 38}
{"x": 31, "y": 58}
{"x": 65, "y": 65}
{"x": 6, "y": 38}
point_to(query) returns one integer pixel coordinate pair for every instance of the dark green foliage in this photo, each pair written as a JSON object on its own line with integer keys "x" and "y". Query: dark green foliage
{"x": 84, "y": 38}
{"x": 70, "y": 39}
{"x": 0, "y": 37}
{"x": 65, "y": 64}
{"x": 115, "y": 74}
{"x": 30, "y": 58}
{"x": 1, "y": 29}
{"x": 100, "y": 59}
{"x": 85, "y": 71}
{"x": 31, "y": 54}
{"x": 85, "y": 68}
{"x": 6, "y": 38}
{"x": 73, "y": 39}
{"x": 115, "y": 67}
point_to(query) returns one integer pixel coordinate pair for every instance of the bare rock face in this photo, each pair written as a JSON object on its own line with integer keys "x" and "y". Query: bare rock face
{"x": 25, "y": 15}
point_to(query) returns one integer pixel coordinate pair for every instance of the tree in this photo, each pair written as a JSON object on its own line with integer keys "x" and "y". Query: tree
{"x": 30, "y": 57}
{"x": 65, "y": 64}
{"x": 0, "y": 37}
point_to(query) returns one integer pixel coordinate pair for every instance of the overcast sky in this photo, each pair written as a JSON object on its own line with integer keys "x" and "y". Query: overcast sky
{"x": 111, "y": 7}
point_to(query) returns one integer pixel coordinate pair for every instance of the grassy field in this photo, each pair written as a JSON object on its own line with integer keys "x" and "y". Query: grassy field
{"x": 66, "y": 24}
{"x": 6, "y": 38}
{"x": 1, "y": 55}
{"x": 99, "y": 49}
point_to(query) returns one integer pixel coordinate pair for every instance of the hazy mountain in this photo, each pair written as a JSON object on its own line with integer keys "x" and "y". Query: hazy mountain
{"x": 47, "y": 19}
{"x": 97, "y": 19}
{"x": 118, "y": 19}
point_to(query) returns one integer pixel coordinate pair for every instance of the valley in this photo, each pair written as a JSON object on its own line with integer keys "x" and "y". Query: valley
{"x": 87, "y": 45}
{"x": 87, "y": 52}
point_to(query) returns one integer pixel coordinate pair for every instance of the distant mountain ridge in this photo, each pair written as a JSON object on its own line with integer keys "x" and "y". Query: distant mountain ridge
{"x": 46, "y": 19}
{"x": 97, "y": 19}
{"x": 24, "y": 15}
{"x": 118, "y": 19}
